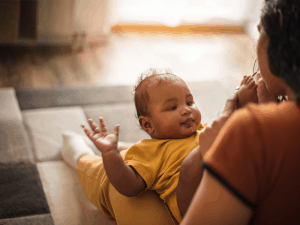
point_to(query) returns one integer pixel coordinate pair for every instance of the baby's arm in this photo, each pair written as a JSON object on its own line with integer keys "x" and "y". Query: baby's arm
{"x": 123, "y": 177}
{"x": 189, "y": 179}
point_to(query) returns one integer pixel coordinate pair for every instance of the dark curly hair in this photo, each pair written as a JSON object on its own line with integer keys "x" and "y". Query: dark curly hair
{"x": 140, "y": 91}
{"x": 281, "y": 21}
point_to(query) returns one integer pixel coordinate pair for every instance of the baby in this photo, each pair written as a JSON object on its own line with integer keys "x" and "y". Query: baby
{"x": 167, "y": 112}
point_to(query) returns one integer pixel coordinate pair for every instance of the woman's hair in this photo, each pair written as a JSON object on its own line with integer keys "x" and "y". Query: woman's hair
{"x": 140, "y": 90}
{"x": 281, "y": 21}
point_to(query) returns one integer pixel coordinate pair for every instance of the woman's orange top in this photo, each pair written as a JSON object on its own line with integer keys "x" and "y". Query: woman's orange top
{"x": 257, "y": 157}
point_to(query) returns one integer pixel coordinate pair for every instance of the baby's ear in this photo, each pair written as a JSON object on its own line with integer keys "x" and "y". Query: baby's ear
{"x": 145, "y": 123}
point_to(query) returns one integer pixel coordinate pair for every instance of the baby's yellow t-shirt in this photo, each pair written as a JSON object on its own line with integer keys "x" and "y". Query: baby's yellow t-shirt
{"x": 158, "y": 162}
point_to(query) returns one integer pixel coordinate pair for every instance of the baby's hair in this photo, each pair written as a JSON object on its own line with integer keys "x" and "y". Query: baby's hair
{"x": 140, "y": 90}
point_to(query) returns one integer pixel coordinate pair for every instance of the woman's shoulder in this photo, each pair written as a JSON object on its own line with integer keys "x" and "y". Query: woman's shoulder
{"x": 274, "y": 107}
{"x": 272, "y": 111}
{"x": 274, "y": 118}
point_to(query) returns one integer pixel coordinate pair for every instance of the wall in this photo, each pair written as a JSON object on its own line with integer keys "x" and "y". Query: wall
{"x": 176, "y": 12}
{"x": 61, "y": 20}
{"x": 252, "y": 17}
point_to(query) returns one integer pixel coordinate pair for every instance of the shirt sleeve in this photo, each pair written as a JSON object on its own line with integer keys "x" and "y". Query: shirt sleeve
{"x": 143, "y": 163}
{"x": 236, "y": 159}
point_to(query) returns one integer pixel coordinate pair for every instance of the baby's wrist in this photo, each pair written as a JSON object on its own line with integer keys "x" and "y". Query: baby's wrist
{"x": 111, "y": 152}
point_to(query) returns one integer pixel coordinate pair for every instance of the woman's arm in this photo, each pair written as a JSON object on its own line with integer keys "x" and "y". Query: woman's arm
{"x": 210, "y": 132}
{"x": 190, "y": 171}
{"x": 213, "y": 203}
{"x": 189, "y": 179}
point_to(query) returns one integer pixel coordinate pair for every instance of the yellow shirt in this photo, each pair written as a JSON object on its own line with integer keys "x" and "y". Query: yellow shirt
{"x": 158, "y": 162}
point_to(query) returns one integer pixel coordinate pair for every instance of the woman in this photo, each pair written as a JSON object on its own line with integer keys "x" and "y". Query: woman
{"x": 251, "y": 171}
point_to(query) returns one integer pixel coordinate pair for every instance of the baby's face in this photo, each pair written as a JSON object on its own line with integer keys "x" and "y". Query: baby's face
{"x": 172, "y": 110}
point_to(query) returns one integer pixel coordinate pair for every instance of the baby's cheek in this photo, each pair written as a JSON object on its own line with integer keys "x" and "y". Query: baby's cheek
{"x": 168, "y": 118}
{"x": 198, "y": 115}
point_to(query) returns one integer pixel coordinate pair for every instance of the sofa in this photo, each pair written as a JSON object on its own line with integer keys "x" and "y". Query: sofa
{"x": 36, "y": 185}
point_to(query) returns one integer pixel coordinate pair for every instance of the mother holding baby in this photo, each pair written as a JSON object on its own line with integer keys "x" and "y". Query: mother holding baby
{"x": 251, "y": 166}
{"x": 250, "y": 170}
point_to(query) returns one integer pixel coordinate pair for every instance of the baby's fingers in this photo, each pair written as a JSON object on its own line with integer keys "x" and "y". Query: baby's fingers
{"x": 252, "y": 84}
{"x": 244, "y": 80}
{"x": 87, "y": 131}
{"x": 116, "y": 130}
{"x": 248, "y": 80}
{"x": 103, "y": 127}
{"x": 94, "y": 126}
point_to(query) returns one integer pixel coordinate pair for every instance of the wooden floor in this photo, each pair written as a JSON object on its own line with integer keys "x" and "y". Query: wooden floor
{"x": 123, "y": 56}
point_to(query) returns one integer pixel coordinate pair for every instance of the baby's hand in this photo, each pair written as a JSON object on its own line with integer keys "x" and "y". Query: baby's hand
{"x": 104, "y": 141}
{"x": 247, "y": 92}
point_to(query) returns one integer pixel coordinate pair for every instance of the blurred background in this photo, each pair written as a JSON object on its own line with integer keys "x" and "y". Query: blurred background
{"x": 53, "y": 43}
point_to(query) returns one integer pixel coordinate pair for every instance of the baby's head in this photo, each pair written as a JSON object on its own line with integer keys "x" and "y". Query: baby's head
{"x": 165, "y": 106}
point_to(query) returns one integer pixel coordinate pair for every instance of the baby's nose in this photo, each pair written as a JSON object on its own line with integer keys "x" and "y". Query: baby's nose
{"x": 186, "y": 110}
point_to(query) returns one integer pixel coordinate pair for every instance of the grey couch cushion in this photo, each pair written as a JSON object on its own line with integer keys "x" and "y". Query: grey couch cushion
{"x": 45, "y": 127}
{"x": 21, "y": 191}
{"x": 14, "y": 143}
{"x": 66, "y": 197}
{"x": 45, "y": 219}
{"x": 70, "y": 96}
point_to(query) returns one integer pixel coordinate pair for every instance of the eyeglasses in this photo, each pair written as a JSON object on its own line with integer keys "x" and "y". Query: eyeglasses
{"x": 255, "y": 68}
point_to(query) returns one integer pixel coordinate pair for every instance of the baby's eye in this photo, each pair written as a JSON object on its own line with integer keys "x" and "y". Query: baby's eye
{"x": 190, "y": 103}
{"x": 172, "y": 108}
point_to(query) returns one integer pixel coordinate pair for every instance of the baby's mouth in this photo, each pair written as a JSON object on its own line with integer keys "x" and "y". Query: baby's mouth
{"x": 189, "y": 121}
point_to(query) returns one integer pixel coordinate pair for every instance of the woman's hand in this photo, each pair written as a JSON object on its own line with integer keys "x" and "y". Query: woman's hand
{"x": 210, "y": 133}
{"x": 263, "y": 94}
{"x": 104, "y": 141}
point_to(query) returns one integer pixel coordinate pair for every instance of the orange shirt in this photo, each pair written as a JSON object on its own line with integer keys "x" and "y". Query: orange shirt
{"x": 257, "y": 155}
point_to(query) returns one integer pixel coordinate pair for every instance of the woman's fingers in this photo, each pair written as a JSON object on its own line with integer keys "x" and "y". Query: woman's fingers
{"x": 257, "y": 78}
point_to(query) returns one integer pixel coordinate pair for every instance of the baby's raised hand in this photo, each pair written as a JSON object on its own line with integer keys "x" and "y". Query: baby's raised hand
{"x": 247, "y": 92}
{"x": 104, "y": 141}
